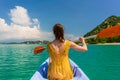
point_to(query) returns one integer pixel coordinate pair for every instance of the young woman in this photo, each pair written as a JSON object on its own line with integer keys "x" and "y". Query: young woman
{"x": 58, "y": 49}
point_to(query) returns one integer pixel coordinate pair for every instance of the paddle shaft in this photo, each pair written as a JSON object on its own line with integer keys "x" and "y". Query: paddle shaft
{"x": 88, "y": 37}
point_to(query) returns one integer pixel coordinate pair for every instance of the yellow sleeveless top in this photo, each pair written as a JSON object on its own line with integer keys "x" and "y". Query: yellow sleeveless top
{"x": 59, "y": 67}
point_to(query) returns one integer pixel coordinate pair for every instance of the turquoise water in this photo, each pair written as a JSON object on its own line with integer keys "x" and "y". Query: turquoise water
{"x": 101, "y": 62}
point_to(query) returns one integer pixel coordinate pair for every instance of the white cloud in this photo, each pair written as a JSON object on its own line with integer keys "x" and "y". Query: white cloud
{"x": 36, "y": 23}
{"x": 15, "y": 31}
{"x": 22, "y": 27}
{"x": 19, "y": 15}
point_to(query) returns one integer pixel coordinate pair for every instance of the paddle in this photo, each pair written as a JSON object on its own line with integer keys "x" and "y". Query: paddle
{"x": 39, "y": 49}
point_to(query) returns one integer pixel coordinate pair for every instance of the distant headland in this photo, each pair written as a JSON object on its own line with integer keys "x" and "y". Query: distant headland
{"x": 109, "y": 22}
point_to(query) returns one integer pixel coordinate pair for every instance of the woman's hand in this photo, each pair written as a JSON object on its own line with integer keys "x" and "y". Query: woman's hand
{"x": 82, "y": 39}
{"x": 80, "y": 48}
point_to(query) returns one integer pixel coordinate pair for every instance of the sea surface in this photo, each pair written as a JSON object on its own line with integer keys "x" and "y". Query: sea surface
{"x": 100, "y": 62}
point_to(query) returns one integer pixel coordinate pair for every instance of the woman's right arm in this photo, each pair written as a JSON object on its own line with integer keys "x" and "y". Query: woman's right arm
{"x": 82, "y": 48}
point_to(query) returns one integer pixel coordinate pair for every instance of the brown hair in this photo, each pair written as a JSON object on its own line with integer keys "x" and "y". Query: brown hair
{"x": 58, "y": 30}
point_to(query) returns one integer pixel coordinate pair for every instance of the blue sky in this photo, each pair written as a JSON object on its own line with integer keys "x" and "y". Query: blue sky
{"x": 77, "y": 16}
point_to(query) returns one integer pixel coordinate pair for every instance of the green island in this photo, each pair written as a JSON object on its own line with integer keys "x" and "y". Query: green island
{"x": 109, "y": 22}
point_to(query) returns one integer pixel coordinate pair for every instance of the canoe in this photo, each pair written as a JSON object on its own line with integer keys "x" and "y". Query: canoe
{"x": 41, "y": 73}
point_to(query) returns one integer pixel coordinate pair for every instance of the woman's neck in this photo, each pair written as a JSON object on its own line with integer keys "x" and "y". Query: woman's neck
{"x": 56, "y": 40}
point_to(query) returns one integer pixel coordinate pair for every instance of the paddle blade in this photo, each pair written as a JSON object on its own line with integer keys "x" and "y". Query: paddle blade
{"x": 110, "y": 32}
{"x": 38, "y": 49}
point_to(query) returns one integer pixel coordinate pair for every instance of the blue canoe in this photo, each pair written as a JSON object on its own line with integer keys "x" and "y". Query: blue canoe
{"x": 41, "y": 73}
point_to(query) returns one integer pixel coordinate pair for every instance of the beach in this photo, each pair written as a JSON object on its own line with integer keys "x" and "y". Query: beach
{"x": 108, "y": 44}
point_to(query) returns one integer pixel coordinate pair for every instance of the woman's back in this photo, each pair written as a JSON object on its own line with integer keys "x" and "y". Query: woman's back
{"x": 57, "y": 45}
{"x": 59, "y": 67}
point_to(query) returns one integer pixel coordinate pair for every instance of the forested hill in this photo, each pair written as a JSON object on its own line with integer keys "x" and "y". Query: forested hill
{"x": 109, "y": 22}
